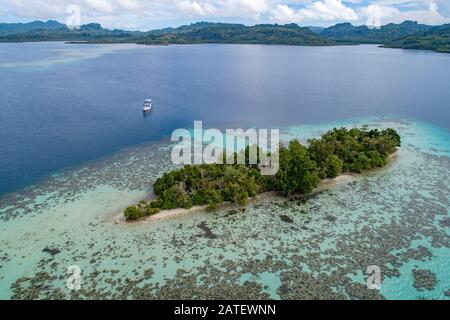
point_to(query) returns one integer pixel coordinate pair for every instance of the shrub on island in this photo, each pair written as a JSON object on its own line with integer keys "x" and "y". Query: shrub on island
{"x": 143, "y": 209}
{"x": 132, "y": 213}
{"x": 301, "y": 169}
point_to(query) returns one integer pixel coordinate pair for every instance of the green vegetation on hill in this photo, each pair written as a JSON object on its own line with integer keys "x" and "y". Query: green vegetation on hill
{"x": 406, "y": 35}
{"x": 347, "y": 33}
{"x": 301, "y": 169}
{"x": 290, "y": 34}
{"x": 203, "y": 32}
{"x": 92, "y": 32}
{"x": 14, "y": 28}
{"x": 437, "y": 39}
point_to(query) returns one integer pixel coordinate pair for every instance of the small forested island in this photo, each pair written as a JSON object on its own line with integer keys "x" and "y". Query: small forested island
{"x": 301, "y": 170}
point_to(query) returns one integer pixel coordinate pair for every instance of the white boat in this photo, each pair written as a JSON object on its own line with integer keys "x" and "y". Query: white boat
{"x": 148, "y": 105}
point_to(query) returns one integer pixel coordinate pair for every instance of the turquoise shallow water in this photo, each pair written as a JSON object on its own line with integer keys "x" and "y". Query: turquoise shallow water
{"x": 397, "y": 218}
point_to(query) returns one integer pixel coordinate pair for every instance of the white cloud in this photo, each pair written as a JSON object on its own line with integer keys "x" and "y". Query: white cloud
{"x": 194, "y": 8}
{"x": 102, "y": 6}
{"x": 325, "y": 10}
{"x": 37, "y": 8}
{"x": 388, "y": 13}
{"x": 129, "y": 4}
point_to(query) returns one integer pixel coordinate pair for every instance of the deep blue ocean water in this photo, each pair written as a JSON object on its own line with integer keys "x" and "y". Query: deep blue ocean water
{"x": 61, "y": 105}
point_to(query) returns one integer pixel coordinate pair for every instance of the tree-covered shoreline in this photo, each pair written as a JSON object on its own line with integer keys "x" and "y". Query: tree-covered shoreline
{"x": 197, "y": 33}
{"x": 436, "y": 39}
{"x": 407, "y": 35}
{"x": 301, "y": 170}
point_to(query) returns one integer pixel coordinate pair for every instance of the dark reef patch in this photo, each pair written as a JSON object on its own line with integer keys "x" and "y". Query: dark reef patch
{"x": 207, "y": 231}
{"x": 446, "y": 222}
{"x": 424, "y": 279}
{"x": 286, "y": 219}
{"x": 51, "y": 251}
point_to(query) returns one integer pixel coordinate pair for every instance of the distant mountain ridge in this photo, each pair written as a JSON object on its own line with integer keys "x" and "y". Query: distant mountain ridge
{"x": 408, "y": 34}
{"x": 346, "y": 32}
{"x": 14, "y": 28}
{"x": 289, "y": 34}
{"x": 436, "y": 39}
{"x": 201, "y": 32}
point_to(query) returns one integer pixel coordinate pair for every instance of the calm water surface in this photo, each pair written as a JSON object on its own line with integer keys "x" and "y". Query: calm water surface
{"x": 79, "y": 107}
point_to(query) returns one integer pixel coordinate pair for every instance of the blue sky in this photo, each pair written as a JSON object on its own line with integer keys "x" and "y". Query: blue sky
{"x": 150, "y": 14}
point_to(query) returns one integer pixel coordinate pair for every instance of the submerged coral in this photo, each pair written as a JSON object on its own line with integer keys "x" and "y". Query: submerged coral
{"x": 318, "y": 247}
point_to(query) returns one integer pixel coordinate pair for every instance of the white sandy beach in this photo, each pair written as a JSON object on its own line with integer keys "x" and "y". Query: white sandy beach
{"x": 260, "y": 198}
